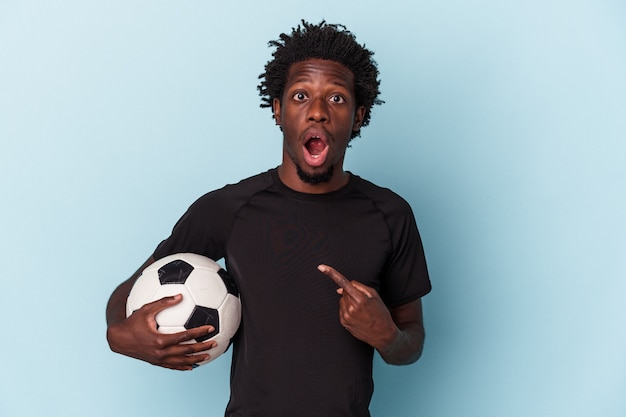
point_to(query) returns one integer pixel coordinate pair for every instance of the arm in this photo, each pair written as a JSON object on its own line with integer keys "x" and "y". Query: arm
{"x": 406, "y": 347}
{"x": 137, "y": 335}
{"x": 116, "y": 307}
{"x": 397, "y": 334}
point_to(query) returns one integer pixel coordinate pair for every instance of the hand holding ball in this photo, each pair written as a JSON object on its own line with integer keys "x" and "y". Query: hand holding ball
{"x": 210, "y": 297}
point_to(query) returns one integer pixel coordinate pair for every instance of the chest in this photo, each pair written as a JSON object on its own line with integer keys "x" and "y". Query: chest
{"x": 274, "y": 246}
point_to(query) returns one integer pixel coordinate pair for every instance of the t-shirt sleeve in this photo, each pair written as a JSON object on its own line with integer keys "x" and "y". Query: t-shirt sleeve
{"x": 201, "y": 230}
{"x": 205, "y": 227}
{"x": 406, "y": 275}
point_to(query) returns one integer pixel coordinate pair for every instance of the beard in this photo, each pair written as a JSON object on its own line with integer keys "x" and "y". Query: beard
{"x": 314, "y": 179}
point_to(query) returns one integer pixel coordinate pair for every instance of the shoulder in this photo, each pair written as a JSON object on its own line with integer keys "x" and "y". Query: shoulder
{"x": 383, "y": 198}
{"x": 204, "y": 227}
{"x": 237, "y": 193}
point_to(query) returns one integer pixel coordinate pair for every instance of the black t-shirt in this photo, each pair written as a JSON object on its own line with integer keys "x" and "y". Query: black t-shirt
{"x": 291, "y": 356}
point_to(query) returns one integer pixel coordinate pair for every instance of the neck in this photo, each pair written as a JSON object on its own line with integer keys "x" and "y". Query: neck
{"x": 289, "y": 176}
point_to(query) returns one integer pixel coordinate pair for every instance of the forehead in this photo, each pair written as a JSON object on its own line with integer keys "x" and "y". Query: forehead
{"x": 320, "y": 70}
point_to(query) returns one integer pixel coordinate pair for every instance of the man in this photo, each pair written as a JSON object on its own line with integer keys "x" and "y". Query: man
{"x": 329, "y": 266}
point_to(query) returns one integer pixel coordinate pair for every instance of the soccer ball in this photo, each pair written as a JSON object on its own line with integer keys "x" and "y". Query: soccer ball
{"x": 209, "y": 297}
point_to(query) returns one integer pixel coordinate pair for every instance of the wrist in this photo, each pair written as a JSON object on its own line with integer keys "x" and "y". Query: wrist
{"x": 391, "y": 342}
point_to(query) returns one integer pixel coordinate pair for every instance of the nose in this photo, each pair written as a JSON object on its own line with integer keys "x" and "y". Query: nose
{"x": 318, "y": 110}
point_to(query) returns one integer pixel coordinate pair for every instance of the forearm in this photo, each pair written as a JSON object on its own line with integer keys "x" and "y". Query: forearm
{"x": 406, "y": 346}
{"x": 115, "y": 314}
{"x": 116, "y": 307}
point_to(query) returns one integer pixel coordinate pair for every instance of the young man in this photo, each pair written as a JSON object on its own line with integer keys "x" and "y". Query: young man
{"x": 329, "y": 266}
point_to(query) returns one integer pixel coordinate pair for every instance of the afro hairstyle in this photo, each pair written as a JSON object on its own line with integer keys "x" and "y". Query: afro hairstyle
{"x": 322, "y": 41}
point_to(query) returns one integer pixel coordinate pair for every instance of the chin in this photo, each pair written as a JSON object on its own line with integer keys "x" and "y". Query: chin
{"x": 316, "y": 177}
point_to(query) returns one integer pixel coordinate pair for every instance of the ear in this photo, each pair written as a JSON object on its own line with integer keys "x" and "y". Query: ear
{"x": 276, "y": 108}
{"x": 359, "y": 115}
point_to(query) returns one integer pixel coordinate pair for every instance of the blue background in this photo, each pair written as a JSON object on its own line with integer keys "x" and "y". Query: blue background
{"x": 504, "y": 127}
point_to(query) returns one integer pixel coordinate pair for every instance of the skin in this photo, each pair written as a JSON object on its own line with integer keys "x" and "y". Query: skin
{"x": 137, "y": 335}
{"x": 318, "y": 102}
{"x": 396, "y": 333}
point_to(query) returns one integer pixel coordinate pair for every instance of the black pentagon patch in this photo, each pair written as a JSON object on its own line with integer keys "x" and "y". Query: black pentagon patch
{"x": 229, "y": 282}
{"x": 175, "y": 272}
{"x": 201, "y": 316}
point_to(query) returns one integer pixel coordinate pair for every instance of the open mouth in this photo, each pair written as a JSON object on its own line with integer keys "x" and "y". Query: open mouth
{"x": 315, "y": 146}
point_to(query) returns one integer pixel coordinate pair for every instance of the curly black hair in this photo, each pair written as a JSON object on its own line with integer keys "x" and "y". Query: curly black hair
{"x": 323, "y": 41}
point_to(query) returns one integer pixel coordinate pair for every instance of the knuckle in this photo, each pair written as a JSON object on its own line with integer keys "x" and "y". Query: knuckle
{"x": 160, "y": 343}
{"x": 157, "y": 357}
{"x": 345, "y": 317}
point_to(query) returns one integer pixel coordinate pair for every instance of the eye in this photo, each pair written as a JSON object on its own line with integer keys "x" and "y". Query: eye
{"x": 300, "y": 96}
{"x": 337, "y": 99}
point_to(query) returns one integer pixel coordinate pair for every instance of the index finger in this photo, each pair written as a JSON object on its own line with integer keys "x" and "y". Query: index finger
{"x": 339, "y": 280}
{"x": 198, "y": 335}
{"x": 156, "y": 306}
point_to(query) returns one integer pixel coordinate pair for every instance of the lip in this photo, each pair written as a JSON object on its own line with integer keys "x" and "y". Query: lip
{"x": 316, "y": 132}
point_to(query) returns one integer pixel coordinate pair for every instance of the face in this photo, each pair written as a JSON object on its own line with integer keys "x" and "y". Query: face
{"x": 317, "y": 114}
